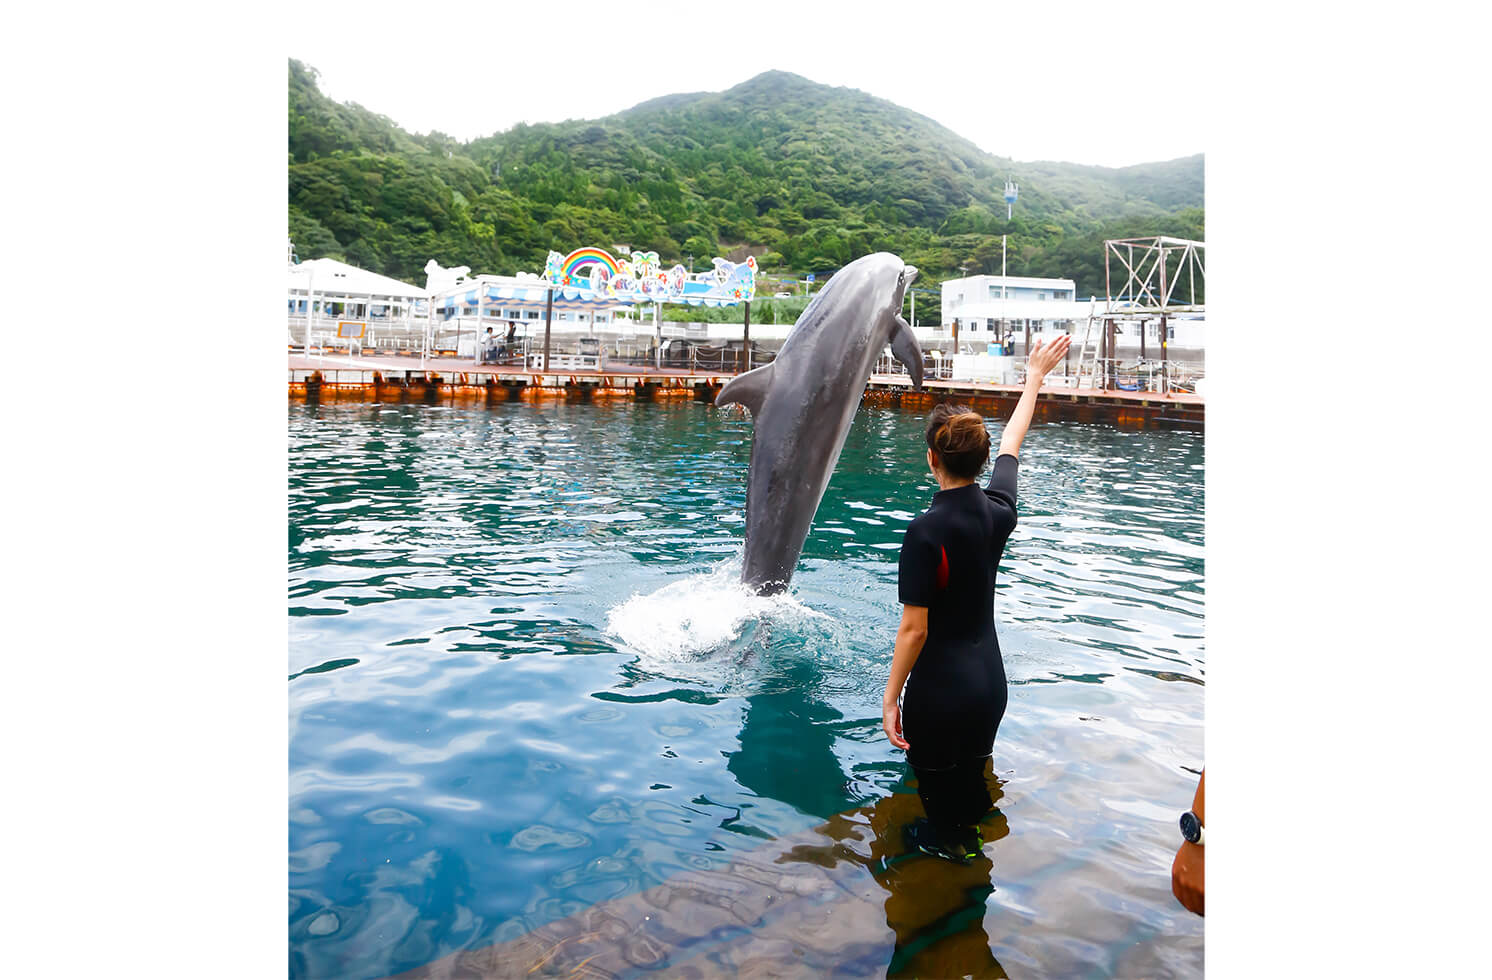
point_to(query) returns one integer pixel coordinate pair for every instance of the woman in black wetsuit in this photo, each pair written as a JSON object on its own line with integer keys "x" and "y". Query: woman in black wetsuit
{"x": 946, "y": 653}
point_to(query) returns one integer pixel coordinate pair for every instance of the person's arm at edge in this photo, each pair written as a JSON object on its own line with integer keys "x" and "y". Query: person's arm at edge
{"x": 1041, "y": 361}
{"x": 910, "y": 636}
{"x": 1188, "y": 878}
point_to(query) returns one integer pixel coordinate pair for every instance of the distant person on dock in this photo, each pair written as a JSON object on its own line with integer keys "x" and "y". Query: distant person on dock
{"x": 507, "y": 348}
{"x": 489, "y": 347}
{"x": 946, "y": 653}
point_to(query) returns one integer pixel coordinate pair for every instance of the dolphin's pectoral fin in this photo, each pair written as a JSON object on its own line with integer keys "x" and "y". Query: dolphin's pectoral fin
{"x": 749, "y": 389}
{"x": 904, "y": 346}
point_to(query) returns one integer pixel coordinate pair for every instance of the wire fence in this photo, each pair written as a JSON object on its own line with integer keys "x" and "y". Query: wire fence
{"x": 419, "y": 338}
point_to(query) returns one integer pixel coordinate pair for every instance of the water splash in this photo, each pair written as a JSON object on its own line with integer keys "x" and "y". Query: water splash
{"x": 699, "y": 614}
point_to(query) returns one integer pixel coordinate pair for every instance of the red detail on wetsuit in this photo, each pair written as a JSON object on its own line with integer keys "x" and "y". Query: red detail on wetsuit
{"x": 942, "y": 568}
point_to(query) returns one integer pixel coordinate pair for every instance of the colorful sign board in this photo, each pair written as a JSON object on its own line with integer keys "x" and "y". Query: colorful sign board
{"x": 593, "y": 273}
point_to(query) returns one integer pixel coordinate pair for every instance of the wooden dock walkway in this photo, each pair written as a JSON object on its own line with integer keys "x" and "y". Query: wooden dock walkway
{"x": 441, "y": 380}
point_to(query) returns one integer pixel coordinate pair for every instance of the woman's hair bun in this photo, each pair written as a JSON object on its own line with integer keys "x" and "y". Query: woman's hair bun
{"x": 957, "y": 436}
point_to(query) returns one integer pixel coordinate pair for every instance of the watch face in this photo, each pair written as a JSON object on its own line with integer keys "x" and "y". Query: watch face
{"x": 1191, "y": 827}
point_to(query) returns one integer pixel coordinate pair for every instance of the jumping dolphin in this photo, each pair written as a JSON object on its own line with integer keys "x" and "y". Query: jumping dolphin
{"x": 802, "y": 404}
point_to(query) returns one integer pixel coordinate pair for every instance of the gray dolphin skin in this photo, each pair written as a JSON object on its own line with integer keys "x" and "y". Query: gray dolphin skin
{"x": 802, "y": 404}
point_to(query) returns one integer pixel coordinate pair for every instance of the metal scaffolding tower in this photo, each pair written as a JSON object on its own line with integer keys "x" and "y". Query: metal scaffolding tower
{"x": 1154, "y": 270}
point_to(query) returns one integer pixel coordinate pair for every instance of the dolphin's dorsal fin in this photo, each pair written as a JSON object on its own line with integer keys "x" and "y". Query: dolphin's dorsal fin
{"x": 749, "y": 389}
{"x": 904, "y": 346}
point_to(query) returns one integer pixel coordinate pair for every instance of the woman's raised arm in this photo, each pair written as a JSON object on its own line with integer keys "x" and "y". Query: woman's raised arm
{"x": 1040, "y": 361}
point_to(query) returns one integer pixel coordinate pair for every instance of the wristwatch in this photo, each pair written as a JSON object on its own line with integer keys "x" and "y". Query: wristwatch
{"x": 1191, "y": 828}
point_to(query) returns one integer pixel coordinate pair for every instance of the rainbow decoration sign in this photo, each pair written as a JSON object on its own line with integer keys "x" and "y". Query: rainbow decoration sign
{"x": 580, "y": 259}
{"x": 641, "y": 278}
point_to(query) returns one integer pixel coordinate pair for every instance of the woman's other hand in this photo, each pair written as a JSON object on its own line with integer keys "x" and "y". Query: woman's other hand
{"x": 1188, "y": 879}
{"x": 1188, "y": 883}
{"x": 1045, "y": 357}
{"x": 911, "y": 633}
{"x": 891, "y": 722}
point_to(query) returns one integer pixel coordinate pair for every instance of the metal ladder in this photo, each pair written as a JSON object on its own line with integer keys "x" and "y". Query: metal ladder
{"x": 1090, "y": 340}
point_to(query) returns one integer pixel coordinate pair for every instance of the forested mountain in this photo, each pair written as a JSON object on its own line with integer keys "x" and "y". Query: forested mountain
{"x": 814, "y": 175}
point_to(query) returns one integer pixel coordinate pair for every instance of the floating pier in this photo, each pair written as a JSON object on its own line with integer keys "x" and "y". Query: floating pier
{"x": 441, "y": 381}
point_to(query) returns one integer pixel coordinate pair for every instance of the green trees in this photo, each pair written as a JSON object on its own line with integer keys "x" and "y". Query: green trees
{"x": 819, "y": 175}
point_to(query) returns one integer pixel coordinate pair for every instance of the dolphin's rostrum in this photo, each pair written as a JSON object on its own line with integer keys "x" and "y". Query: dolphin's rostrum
{"x": 802, "y": 404}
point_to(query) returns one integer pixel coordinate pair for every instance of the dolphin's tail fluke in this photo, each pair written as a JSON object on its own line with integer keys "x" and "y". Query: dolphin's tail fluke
{"x": 906, "y": 349}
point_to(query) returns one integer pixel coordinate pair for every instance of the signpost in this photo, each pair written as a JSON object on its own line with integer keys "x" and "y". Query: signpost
{"x": 1012, "y": 190}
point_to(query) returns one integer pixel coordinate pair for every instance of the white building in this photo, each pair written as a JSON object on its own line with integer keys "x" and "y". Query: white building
{"x": 333, "y": 304}
{"x": 465, "y": 309}
{"x": 978, "y": 305}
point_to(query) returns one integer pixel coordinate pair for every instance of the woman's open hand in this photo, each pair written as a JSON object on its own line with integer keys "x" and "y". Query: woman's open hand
{"x": 891, "y": 722}
{"x": 1045, "y": 357}
{"x": 1188, "y": 877}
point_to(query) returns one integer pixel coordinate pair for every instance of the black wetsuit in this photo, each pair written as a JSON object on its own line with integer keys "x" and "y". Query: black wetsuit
{"x": 956, "y": 694}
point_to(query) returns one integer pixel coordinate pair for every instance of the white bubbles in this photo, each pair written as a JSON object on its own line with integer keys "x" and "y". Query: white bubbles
{"x": 698, "y": 614}
{"x": 538, "y": 836}
{"x": 324, "y": 924}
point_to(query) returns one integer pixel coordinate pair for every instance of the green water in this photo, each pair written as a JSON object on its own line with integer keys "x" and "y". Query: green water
{"x": 522, "y": 683}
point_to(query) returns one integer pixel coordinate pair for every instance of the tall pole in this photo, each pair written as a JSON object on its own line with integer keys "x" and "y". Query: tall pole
{"x": 1002, "y": 279}
{"x": 310, "y": 305}
{"x": 658, "y": 336}
{"x": 548, "y": 316}
{"x": 1165, "y": 365}
{"x": 1011, "y": 191}
{"x": 914, "y": 306}
{"x": 1113, "y": 355}
{"x": 746, "y": 344}
{"x": 1108, "y": 286}
{"x": 481, "y": 318}
{"x": 1164, "y": 302}
{"x": 1108, "y": 326}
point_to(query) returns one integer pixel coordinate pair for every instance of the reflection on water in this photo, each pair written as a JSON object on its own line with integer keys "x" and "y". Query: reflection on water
{"x": 845, "y": 898}
{"x": 532, "y": 720}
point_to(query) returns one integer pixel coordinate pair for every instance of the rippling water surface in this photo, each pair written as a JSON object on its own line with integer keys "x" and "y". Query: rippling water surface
{"x": 534, "y": 725}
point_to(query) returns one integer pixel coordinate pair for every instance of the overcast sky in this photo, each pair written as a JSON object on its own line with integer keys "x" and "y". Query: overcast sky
{"x": 1031, "y": 85}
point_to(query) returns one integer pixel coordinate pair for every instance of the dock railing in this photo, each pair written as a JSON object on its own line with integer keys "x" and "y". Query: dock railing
{"x": 377, "y": 335}
{"x": 621, "y": 353}
{"x": 1111, "y": 374}
{"x": 1133, "y": 374}
{"x": 933, "y": 368}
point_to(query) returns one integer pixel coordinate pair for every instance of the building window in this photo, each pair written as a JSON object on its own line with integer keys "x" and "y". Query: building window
{"x": 994, "y": 292}
{"x": 990, "y": 324}
{"x": 960, "y": 298}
